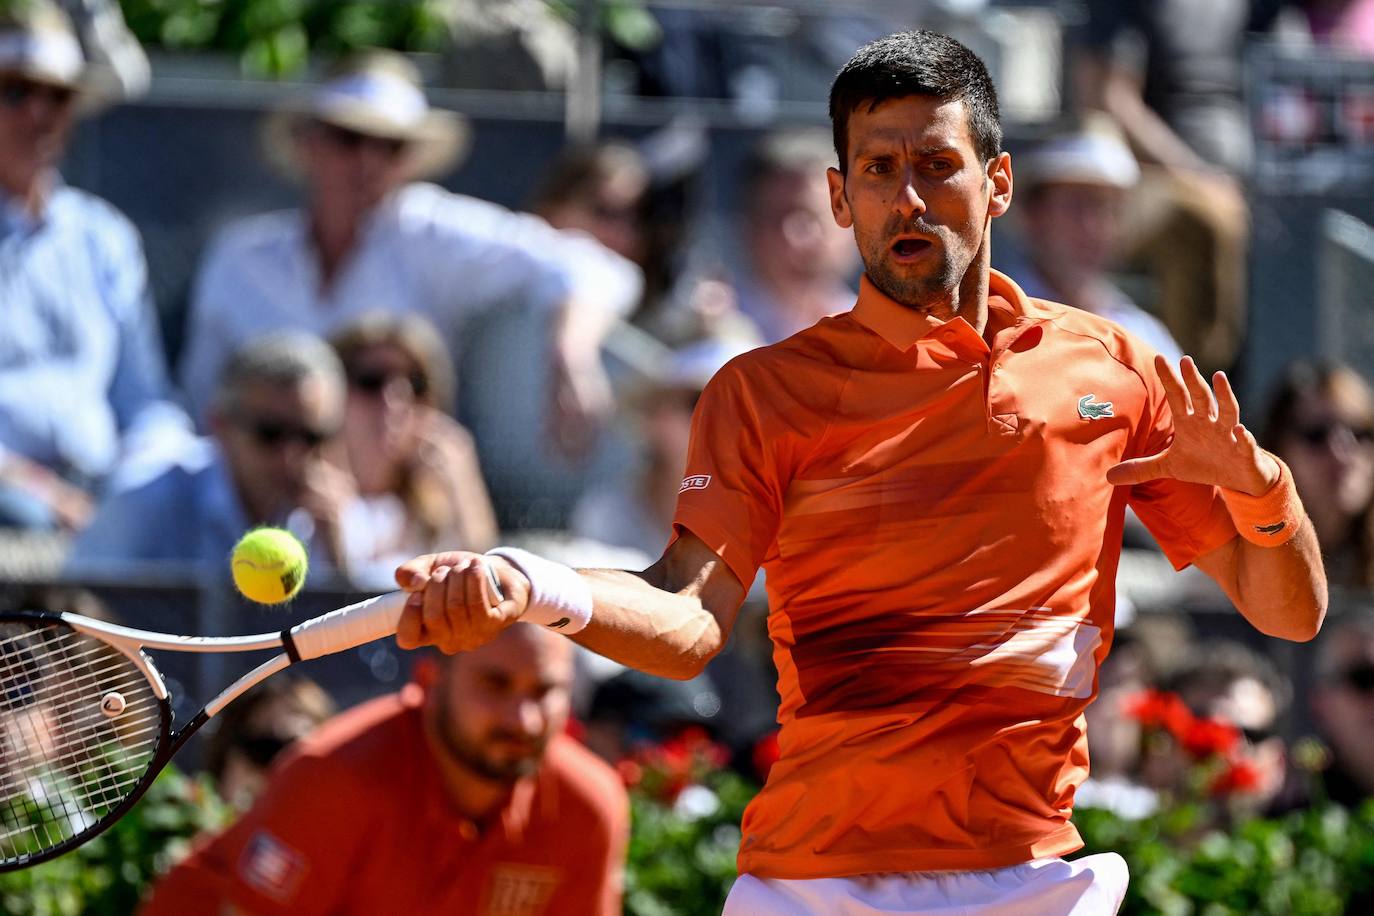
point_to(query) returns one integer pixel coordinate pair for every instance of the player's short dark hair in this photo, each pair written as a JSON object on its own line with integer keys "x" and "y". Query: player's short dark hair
{"x": 916, "y": 63}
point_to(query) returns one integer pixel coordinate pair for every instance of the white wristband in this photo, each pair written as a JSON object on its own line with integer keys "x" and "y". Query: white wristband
{"x": 560, "y": 599}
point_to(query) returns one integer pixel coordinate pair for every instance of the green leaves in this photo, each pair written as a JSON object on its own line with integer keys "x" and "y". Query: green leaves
{"x": 274, "y": 38}
{"x": 1311, "y": 863}
{"x": 108, "y": 874}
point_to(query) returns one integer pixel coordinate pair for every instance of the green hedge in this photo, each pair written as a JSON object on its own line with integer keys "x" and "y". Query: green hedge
{"x": 107, "y": 875}
{"x": 682, "y": 854}
{"x": 276, "y": 38}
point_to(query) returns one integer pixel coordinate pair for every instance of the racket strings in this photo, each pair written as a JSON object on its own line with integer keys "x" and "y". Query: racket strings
{"x": 79, "y": 726}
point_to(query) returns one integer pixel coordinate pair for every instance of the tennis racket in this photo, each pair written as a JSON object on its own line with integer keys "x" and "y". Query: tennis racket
{"x": 86, "y": 719}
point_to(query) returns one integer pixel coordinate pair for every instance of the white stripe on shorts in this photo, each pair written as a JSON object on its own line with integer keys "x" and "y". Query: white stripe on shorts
{"x": 1090, "y": 886}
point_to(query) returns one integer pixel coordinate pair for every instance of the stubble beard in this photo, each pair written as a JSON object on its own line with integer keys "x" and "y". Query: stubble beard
{"x": 929, "y": 292}
{"x": 470, "y": 755}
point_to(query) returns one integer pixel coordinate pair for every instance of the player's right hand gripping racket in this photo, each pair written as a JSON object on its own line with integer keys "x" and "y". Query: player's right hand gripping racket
{"x": 86, "y": 720}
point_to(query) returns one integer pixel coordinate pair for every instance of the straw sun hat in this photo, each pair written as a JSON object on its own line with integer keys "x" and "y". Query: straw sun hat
{"x": 38, "y": 43}
{"x": 378, "y": 94}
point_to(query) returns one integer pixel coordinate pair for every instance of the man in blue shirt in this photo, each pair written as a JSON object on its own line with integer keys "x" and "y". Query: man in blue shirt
{"x": 274, "y": 417}
{"x": 83, "y": 383}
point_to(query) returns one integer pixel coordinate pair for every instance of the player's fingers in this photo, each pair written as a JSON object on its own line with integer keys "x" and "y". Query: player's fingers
{"x": 1228, "y": 408}
{"x": 1137, "y": 470}
{"x": 1198, "y": 392}
{"x": 1244, "y": 436}
{"x": 409, "y": 627}
{"x": 1174, "y": 392}
{"x": 413, "y": 575}
{"x": 467, "y": 590}
{"x": 437, "y": 623}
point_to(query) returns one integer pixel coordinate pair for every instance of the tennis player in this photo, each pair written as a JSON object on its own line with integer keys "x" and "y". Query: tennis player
{"x": 935, "y": 483}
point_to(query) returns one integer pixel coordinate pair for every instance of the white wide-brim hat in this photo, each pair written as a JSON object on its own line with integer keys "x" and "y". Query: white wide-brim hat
{"x": 380, "y": 96}
{"x": 41, "y": 46}
{"x": 1096, "y": 153}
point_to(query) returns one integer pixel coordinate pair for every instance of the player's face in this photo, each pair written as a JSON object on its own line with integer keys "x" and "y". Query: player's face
{"x": 919, "y": 199}
{"x": 35, "y": 120}
{"x": 495, "y": 709}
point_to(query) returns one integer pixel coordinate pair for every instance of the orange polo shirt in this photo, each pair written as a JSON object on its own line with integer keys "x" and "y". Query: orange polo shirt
{"x": 941, "y": 545}
{"x": 356, "y": 820}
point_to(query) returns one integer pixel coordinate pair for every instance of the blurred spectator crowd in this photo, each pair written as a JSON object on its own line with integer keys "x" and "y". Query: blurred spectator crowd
{"x": 317, "y": 387}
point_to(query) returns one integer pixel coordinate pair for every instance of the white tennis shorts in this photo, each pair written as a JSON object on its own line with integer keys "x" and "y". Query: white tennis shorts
{"x": 1090, "y": 886}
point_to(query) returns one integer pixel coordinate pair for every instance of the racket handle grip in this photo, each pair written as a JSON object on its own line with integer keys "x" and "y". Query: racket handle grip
{"x": 347, "y": 627}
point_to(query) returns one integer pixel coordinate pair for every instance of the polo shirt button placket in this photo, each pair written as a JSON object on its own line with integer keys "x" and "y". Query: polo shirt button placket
{"x": 1000, "y": 424}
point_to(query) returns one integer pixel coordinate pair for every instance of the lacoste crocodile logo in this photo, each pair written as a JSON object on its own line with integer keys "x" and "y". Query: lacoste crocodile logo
{"x": 1271, "y": 529}
{"x": 1089, "y": 410}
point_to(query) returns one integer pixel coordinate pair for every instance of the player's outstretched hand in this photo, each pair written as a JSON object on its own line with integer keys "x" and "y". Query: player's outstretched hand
{"x": 452, "y": 604}
{"x": 1210, "y": 444}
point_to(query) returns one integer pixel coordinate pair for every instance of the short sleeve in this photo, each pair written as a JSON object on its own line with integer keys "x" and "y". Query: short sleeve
{"x": 1187, "y": 519}
{"x": 731, "y": 497}
{"x": 291, "y": 852}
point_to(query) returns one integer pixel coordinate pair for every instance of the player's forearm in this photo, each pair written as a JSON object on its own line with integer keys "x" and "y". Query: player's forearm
{"x": 638, "y": 621}
{"x": 1282, "y": 590}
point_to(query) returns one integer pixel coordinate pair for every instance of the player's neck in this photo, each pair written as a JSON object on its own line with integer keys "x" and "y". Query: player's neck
{"x": 968, "y": 300}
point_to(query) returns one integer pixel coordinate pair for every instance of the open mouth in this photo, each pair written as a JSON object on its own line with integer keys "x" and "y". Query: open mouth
{"x": 909, "y": 248}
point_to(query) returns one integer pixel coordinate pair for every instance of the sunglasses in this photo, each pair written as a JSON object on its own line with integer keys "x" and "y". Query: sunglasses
{"x": 352, "y": 141}
{"x": 374, "y": 382}
{"x": 1320, "y": 434}
{"x": 16, "y": 93}
{"x": 275, "y": 434}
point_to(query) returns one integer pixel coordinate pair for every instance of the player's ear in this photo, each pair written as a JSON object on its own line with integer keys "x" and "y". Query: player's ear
{"x": 999, "y": 173}
{"x": 839, "y": 205}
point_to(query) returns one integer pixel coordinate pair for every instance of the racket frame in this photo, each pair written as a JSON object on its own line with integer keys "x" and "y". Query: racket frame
{"x": 336, "y": 631}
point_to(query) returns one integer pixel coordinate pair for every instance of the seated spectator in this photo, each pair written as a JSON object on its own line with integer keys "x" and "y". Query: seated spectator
{"x": 258, "y": 726}
{"x": 371, "y": 233}
{"x": 1343, "y": 706}
{"x": 1321, "y": 423}
{"x": 1171, "y": 76}
{"x": 1071, "y": 190}
{"x": 415, "y": 467}
{"x": 601, "y": 190}
{"x": 83, "y": 387}
{"x": 609, "y": 191}
{"x": 637, "y": 511}
{"x": 458, "y": 795}
{"x": 278, "y": 409}
{"x": 798, "y": 264}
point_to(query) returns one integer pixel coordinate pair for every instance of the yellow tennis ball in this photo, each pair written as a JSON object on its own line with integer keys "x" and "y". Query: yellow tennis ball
{"x": 269, "y": 565}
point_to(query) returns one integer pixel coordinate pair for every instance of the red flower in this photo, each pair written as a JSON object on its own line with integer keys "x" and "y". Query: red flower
{"x": 1242, "y": 776}
{"x": 1159, "y": 709}
{"x": 1205, "y": 738}
{"x": 766, "y": 754}
{"x": 630, "y": 772}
